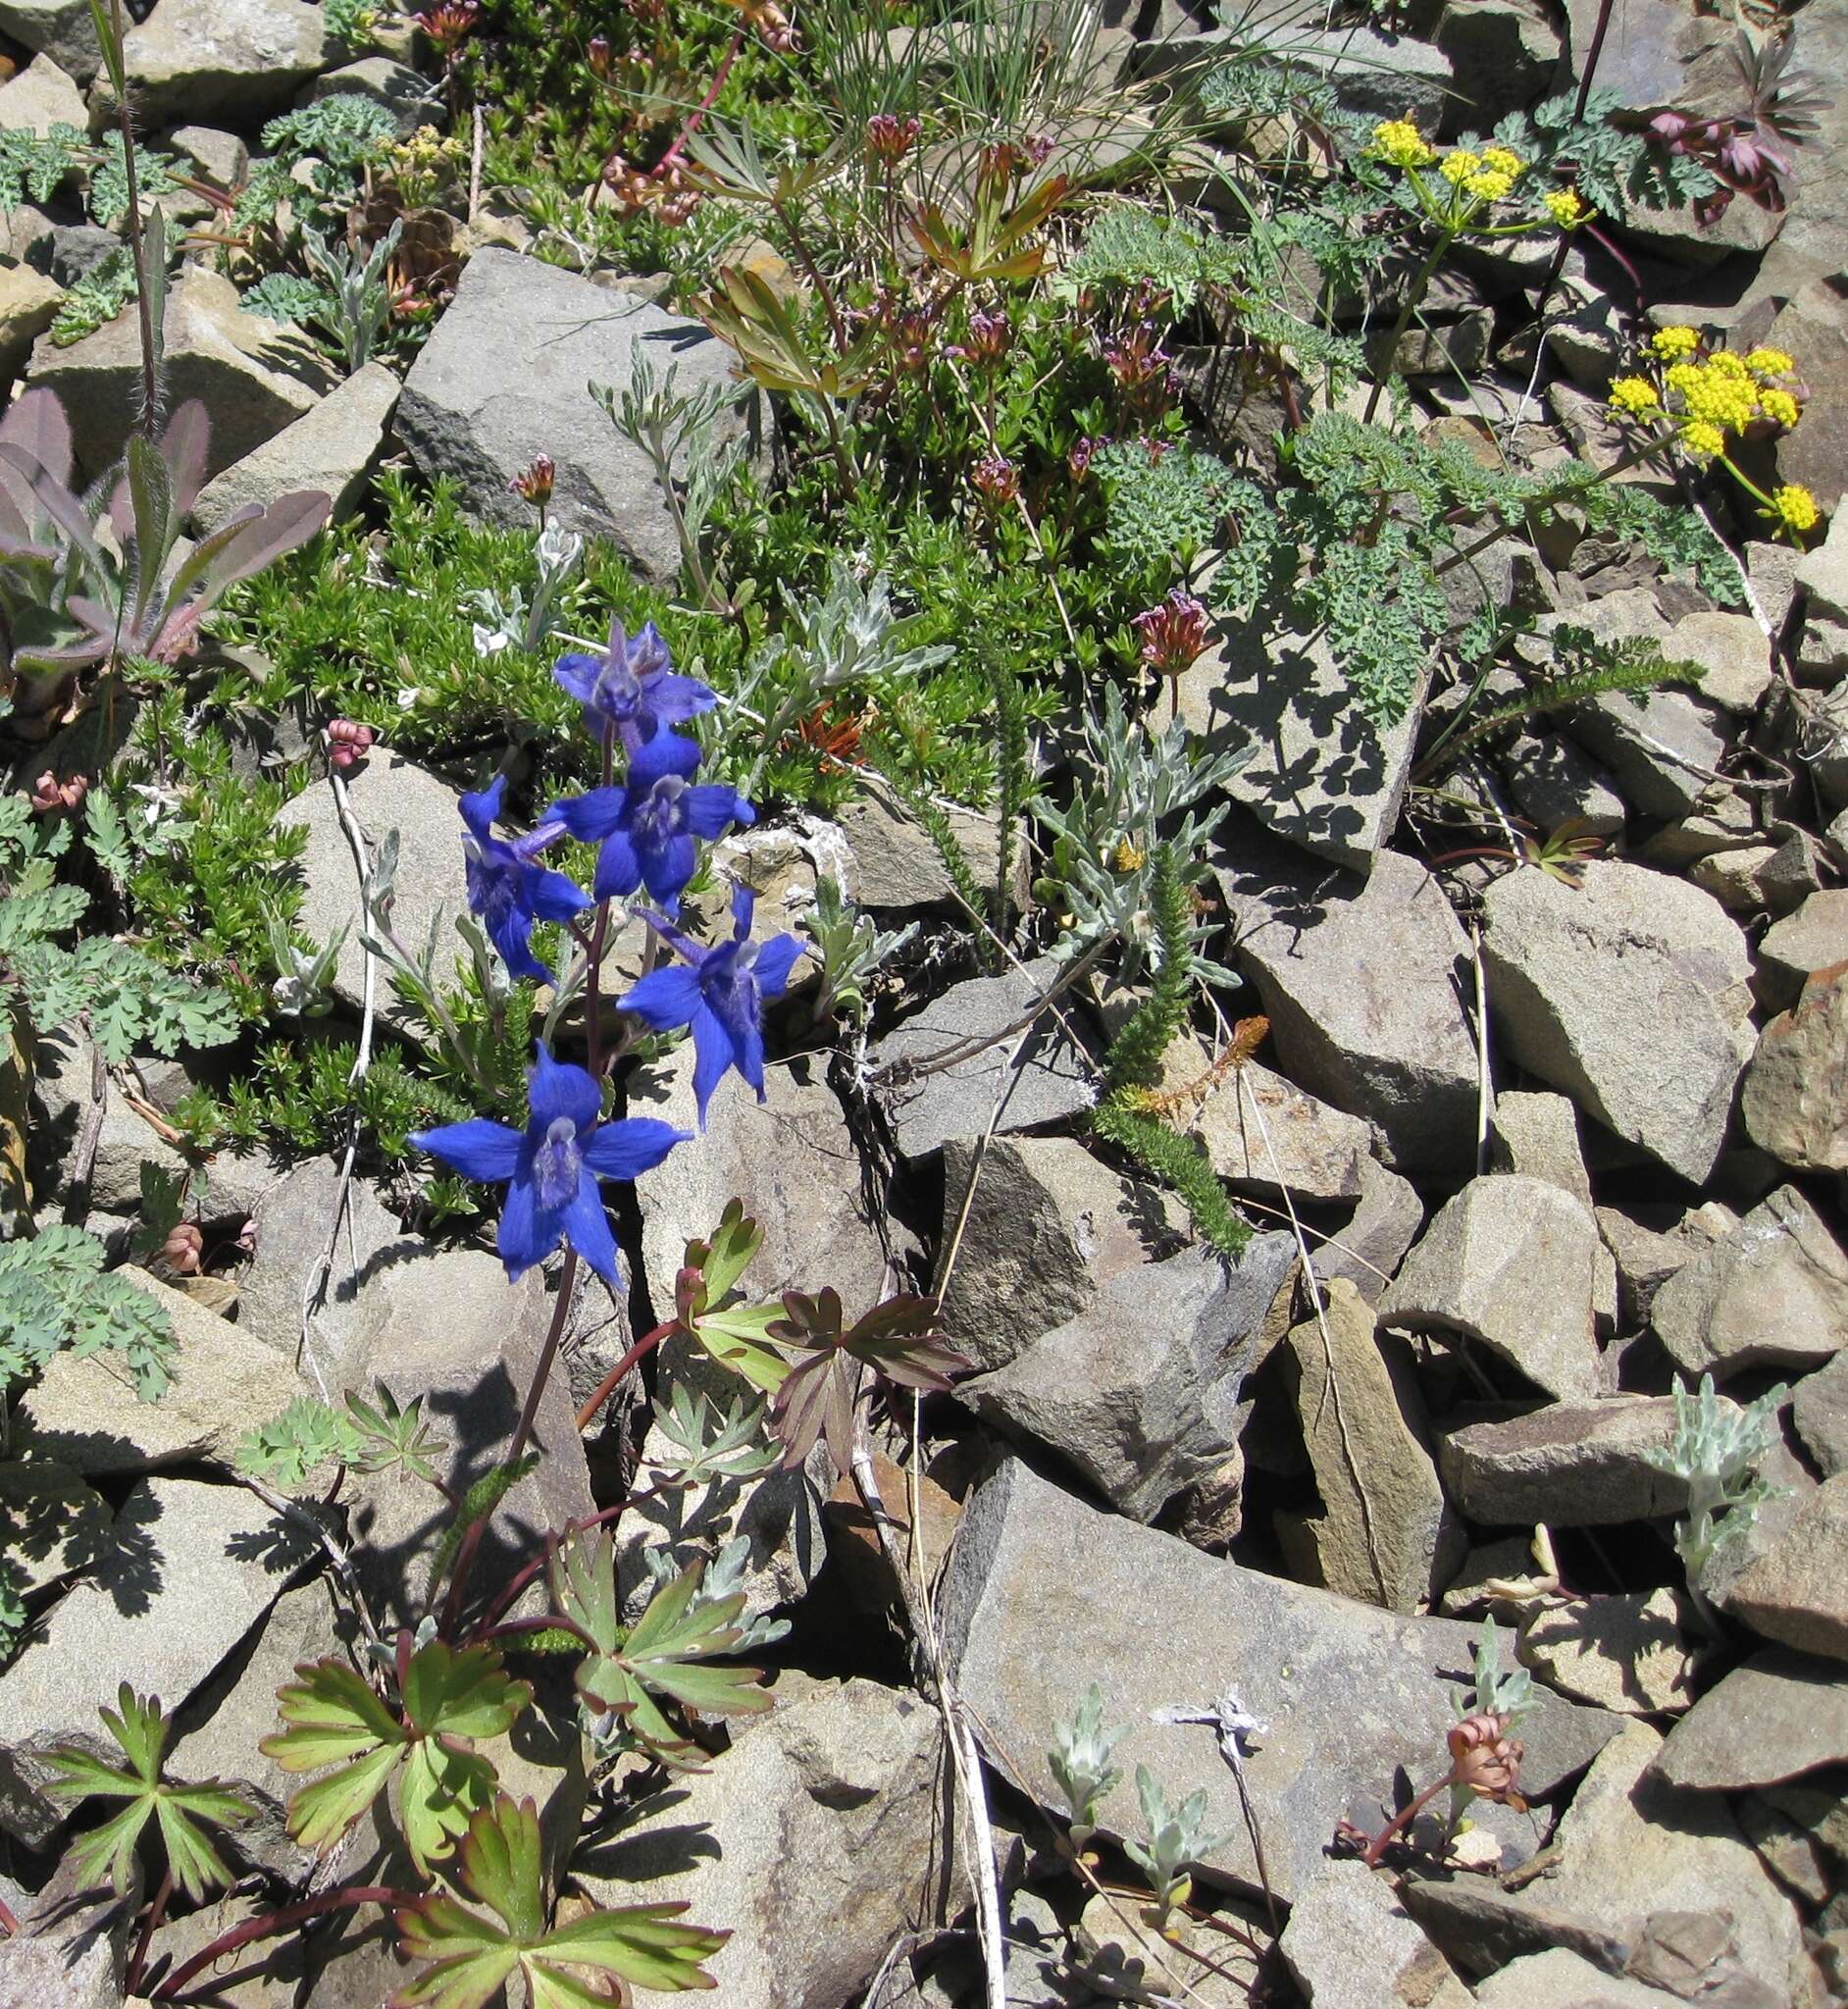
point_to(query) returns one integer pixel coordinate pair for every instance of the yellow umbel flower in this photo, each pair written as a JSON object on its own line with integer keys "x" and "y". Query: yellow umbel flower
{"x": 1127, "y": 858}
{"x": 1671, "y": 342}
{"x": 1634, "y": 395}
{"x": 1400, "y": 144}
{"x": 1489, "y": 184}
{"x": 1685, "y": 376}
{"x": 1564, "y": 207}
{"x": 1703, "y": 439}
{"x": 1769, "y": 363}
{"x": 1794, "y": 508}
{"x": 1503, "y": 162}
{"x": 1725, "y": 363}
{"x": 1460, "y": 165}
{"x": 1716, "y": 396}
{"x": 1780, "y": 407}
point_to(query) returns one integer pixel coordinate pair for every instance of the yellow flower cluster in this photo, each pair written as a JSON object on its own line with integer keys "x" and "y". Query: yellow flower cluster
{"x": 1400, "y": 144}
{"x": 1634, "y": 395}
{"x": 1794, "y": 506}
{"x": 1718, "y": 395}
{"x": 1564, "y": 207}
{"x": 1769, "y": 363}
{"x": 1459, "y": 164}
{"x": 1670, "y": 344}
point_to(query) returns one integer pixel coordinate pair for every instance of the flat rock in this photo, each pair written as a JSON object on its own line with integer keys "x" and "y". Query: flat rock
{"x": 1572, "y": 1464}
{"x": 51, "y": 1523}
{"x": 1778, "y": 1717}
{"x": 84, "y": 1412}
{"x": 793, "y": 1163}
{"x": 330, "y": 448}
{"x": 197, "y": 59}
{"x": 1141, "y": 1390}
{"x": 1814, "y": 938}
{"x": 1631, "y": 1652}
{"x": 1386, "y": 1533}
{"x": 1351, "y": 1945}
{"x": 194, "y": 1567}
{"x": 1369, "y": 1249}
{"x": 1262, "y": 1133}
{"x": 407, "y": 94}
{"x": 1563, "y": 1980}
{"x": 1037, "y": 1079}
{"x": 1045, "y": 1595}
{"x": 1537, "y": 1136}
{"x": 1482, "y": 1928}
{"x": 1732, "y": 653}
{"x": 64, "y": 1075}
{"x": 1553, "y": 782}
{"x": 504, "y": 377}
{"x": 1359, "y": 980}
{"x": 62, "y": 29}
{"x": 1510, "y": 1262}
{"x": 891, "y": 863}
{"x": 1321, "y": 776}
{"x": 1820, "y": 1411}
{"x": 818, "y": 1839}
{"x": 72, "y": 1943}
{"x": 1774, "y": 1293}
{"x": 1045, "y": 1230}
{"x": 253, "y": 376}
{"x": 1631, "y": 1844}
{"x": 42, "y": 95}
{"x": 28, "y": 304}
{"x": 1797, "y": 1591}
{"x": 1629, "y": 994}
{"x": 387, "y": 792}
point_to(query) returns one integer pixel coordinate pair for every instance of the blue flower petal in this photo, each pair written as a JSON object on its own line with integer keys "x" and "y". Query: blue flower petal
{"x": 711, "y": 809}
{"x": 631, "y": 1146}
{"x": 666, "y": 753}
{"x": 477, "y": 1149}
{"x": 592, "y": 816}
{"x": 557, "y": 1088}
{"x": 510, "y": 930}
{"x": 674, "y": 699}
{"x": 666, "y": 869}
{"x": 618, "y": 869}
{"x": 747, "y": 1044}
{"x": 776, "y": 958}
{"x": 555, "y": 896}
{"x": 576, "y": 675}
{"x": 528, "y": 1233}
{"x": 713, "y": 1054}
{"x": 665, "y": 998}
{"x": 586, "y": 1229}
{"x": 480, "y": 810}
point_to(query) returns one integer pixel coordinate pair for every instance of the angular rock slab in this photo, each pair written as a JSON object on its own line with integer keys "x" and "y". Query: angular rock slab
{"x": 1262, "y": 1133}
{"x": 1351, "y": 1945}
{"x": 1632, "y": 1652}
{"x": 1795, "y": 1100}
{"x": 1797, "y": 1590}
{"x": 1141, "y": 1391}
{"x": 1778, "y": 1717}
{"x": 505, "y": 375}
{"x": 194, "y": 59}
{"x": 1042, "y": 1079}
{"x": 1359, "y": 980}
{"x": 1819, "y": 1408}
{"x": 1511, "y": 1263}
{"x": 1560, "y": 1979}
{"x": 193, "y": 1570}
{"x": 1571, "y": 1465}
{"x": 1045, "y": 1595}
{"x": 62, "y": 29}
{"x": 1629, "y": 994}
{"x": 819, "y": 1839}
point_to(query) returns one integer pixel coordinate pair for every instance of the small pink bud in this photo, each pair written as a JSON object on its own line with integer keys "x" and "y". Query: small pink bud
{"x": 348, "y": 742}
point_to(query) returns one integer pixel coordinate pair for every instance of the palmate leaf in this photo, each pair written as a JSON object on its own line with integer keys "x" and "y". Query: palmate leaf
{"x": 666, "y": 1653}
{"x": 898, "y": 1339}
{"x": 735, "y": 1335}
{"x": 108, "y": 1852}
{"x": 333, "y": 1719}
{"x": 470, "y": 1956}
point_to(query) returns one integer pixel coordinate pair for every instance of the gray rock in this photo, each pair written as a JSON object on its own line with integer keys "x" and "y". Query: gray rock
{"x": 1321, "y": 775}
{"x": 891, "y": 861}
{"x": 84, "y": 1412}
{"x": 1037, "y": 1078}
{"x": 1645, "y": 50}
{"x": 1537, "y": 1136}
{"x": 197, "y": 59}
{"x": 818, "y": 1839}
{"x": 1774, "y": 1293}
{"x": 1797, "y": 1591}
{"x": 505, "y": 378}
{"x": 1822, "y": 573}
{"x": 216, "y": 156}
{"x": 1632, "y": 1651}
{"x": 1503, "y": 54}
{"x": 1649, "y": 1252}
{"x": 1048, "y": 1227}
{"x": 62, "y": 29}
{"x": 410, "y": 97}
{"x": 29, "y": 303}
{"x": 387, "y": 792}
{"x": 1554, "y": 783}
{"x": 1141, "y": 1390}
{"x": 1386, "y": 1533}
{"x": 72, "y": 1943}
{"x": 62, "y": 1075}
{"x": 1572, "y": 1464}
{"x": 1260, "y": 1132}
{"x": 1775, "y": 1718}
{"x": 51, "y": 1523}
{"x": 1373, "y": 73}
{"x": 1814, "y": 938}
{"x": 1733, "y": 652}
{"x": 1628, "y": 992}
{"x": 1820, "y": 1411}
{"x": 1631, "y": 1844}
{"x": 1370, "y": 1247}
{"x": 1359, "y": 980}
{"x": 1662, "y": 747}
{"x": 39, "y": 98}
{"x": 1510, "y": 1262}
{"x": 253, "y": 376}
{"x": 1563, "y": 1980}
{"x": 77, "y": 249}
{"x": 794, "y": 1166}
{"x": 1815, "y": 455}
{"x": 1045, "y": 1595}
{"x": 330, "y": 448}
{"x": 193, "y": 1570}
{"x": 1483, "y": 1927}
{"x": 1351, "y": 1945}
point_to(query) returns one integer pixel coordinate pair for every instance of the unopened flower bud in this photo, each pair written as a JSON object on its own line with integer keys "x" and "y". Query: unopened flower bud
{"x": 348, "y": 742}
{"x": 183, "y": 1250}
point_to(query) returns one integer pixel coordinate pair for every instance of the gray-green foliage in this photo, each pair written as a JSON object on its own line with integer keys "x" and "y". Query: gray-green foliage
{"x": 95, "y": 299}
{"x": 851, "y": 946}
{"x": 286, "y": 296}
{"x": 1496, "y": 1690}
{"x": 1130, "y": 245}
{"x": 1080, "y": 1764}
{"x": 54, "y": 1294}
{"x": 1173, "y": 1838}
{"x": 699, "y": 1441}
{"x": 356, "y": 303}
{"x": 1161, "y": 500}
{"x": 34, "y": 166}
{"x": 127, "y": 998}
{"x": 1715, "y": 1448}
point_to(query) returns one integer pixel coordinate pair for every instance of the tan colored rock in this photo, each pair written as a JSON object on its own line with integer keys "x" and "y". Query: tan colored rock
{"x": 330, "y": 448}
{"x": 1262, "y": 1133}
{"x": 1631, "y": 1653}
{"x": 29, "y": 303}
{"x": 1386, "y": 1533}
{"x": 39, "y": 98}
{"x": 1795, "y": 1098}
{"x": 1797, "y": 1591}
{"x": 1814, "y": 938}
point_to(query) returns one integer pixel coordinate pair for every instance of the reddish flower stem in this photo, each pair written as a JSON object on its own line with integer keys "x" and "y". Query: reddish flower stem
{"x": 1402, "y": 1820}
{"x": 132, "y": 1980}
{"x": 704, "y": 105}
{"x": 271, "y": 1923}
{"x": 607, "y": 1387}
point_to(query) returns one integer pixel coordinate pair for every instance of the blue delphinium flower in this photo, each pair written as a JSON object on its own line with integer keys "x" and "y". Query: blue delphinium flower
{"x": 720, "y": 993}
{"x": 648, "y": 823}
{"x": 507, "y": 890}
{"x": 553, "y": 1164}
{"x": 634, "y": 691}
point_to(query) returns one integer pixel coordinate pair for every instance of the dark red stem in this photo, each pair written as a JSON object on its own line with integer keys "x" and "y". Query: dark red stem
{"x": 131, "y": 1983}
{"x": 271, "y": 1922}
{"x": 704, "y": 105}
{"x": 1402, "y": 1820}
{"x": 607, "y": 1387}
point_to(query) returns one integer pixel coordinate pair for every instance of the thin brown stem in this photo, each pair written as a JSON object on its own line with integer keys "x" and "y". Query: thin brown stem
{"x": 1402, "y": 1820}
{"x": 271, "y": 1923}
{"x": 613, "y": 1380}
{"x": 132, "y": 1984}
